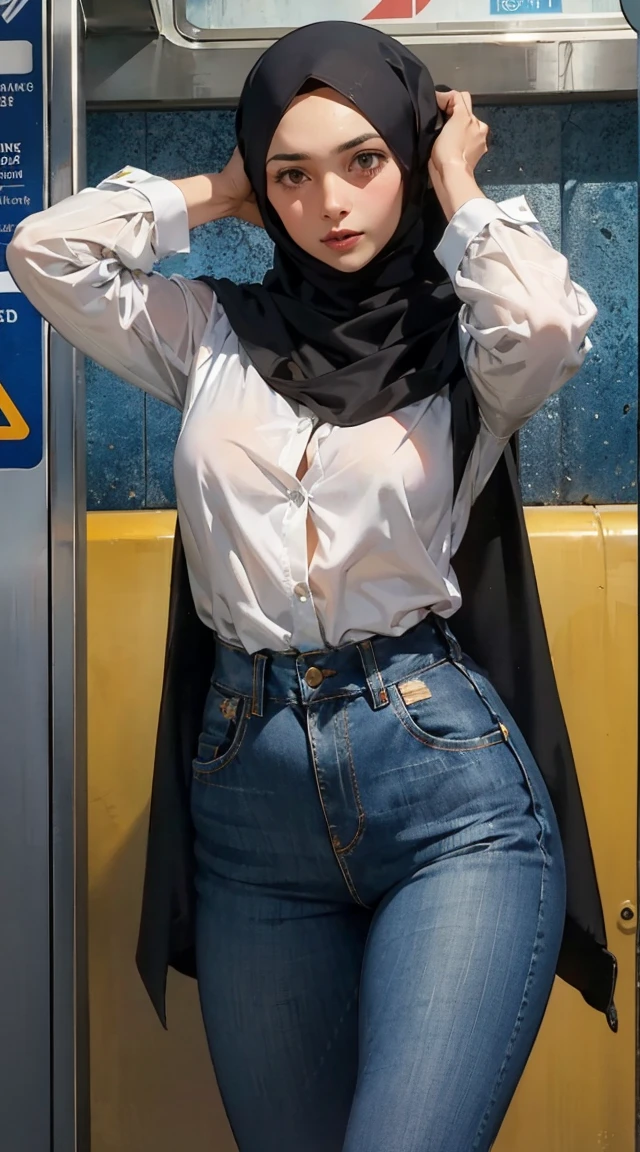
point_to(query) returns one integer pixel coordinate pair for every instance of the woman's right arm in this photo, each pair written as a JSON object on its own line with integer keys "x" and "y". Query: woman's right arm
{"x": 86, "y": 264}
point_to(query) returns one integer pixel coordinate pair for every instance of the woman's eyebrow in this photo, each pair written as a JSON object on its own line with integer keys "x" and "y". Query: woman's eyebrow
{"x": 289, "y": 156}
{"x": 355, "y": 143}
{"x": 358, "y": 141}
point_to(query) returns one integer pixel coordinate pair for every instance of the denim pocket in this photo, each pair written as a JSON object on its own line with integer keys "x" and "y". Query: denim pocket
{"x": 442, "y": 708}
{"x": 224, "y": 726}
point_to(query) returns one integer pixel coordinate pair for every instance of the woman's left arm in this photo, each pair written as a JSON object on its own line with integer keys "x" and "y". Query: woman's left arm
{"x": 523, "y": 321}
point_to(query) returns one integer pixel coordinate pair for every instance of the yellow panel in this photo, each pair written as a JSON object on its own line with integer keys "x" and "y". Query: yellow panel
{"x": 578, "y": 1089}
{"x": 151, "y": 1089}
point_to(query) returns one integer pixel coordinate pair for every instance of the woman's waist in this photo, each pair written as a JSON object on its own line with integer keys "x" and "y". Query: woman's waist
{"x": 299, "y": 619}
{"x": 349, "y": 670}
{"x": 257, "y": 600}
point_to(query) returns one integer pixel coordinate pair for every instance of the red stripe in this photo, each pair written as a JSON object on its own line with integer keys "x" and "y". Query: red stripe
{"x": 392, "y": 10}
{"x": 396, "y": 10}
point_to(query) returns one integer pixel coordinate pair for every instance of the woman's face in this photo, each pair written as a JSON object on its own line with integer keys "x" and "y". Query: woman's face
{"x": 333, "y": 181}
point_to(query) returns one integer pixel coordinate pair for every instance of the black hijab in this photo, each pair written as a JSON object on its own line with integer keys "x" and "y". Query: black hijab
{"x": 350, "y": 345}
{"x": 353, "y": 347}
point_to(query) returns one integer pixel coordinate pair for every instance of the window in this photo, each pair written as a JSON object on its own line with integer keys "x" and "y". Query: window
{"x": 243, "y": 16}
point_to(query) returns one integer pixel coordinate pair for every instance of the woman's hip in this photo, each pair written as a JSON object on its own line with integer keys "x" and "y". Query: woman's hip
{"x": 340, "y": 771}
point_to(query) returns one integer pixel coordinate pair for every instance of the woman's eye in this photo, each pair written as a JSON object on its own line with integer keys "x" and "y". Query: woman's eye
{"x": 369, "y": 162}
{"x": 291, "y": 177}
{"x": 366, "y": 164}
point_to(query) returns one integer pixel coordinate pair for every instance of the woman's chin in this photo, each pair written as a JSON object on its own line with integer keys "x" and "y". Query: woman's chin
{"x": 349, "y": 261}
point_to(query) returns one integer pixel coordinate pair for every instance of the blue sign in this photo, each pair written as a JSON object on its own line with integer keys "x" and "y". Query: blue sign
{"x": 525, "y": 7}
{"x": 21, "y": 193}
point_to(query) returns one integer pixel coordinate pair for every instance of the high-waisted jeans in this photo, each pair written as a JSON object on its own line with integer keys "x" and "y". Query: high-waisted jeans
{"x": 380, "y": 896}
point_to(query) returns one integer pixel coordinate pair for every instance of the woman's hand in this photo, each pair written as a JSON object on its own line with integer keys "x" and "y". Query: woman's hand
{"x": 460, "y": 145}
{"x": 463, "y": 138}
{"x": 234, "y": 187}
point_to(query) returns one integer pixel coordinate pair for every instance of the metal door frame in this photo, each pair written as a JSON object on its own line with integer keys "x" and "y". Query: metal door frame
{"x": 70, "y": 1128}
{"x": 631, "y": 10}
{"x": 44, "y": 1076}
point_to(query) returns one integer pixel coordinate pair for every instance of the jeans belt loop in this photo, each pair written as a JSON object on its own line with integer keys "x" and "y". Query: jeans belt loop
{"x": 375, "y": 683}
{"x": 259, "y": 668}
{"x": 455, "y": 651}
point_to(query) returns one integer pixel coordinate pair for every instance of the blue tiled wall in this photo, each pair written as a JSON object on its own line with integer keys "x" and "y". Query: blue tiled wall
{"x": 576, "y": 164}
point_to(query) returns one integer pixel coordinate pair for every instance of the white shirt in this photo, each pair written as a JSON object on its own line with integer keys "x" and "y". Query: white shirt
{"x": 383, "y": 527}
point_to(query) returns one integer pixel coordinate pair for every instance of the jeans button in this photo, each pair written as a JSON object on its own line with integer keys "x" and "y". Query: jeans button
{"x": 314, "y": 677}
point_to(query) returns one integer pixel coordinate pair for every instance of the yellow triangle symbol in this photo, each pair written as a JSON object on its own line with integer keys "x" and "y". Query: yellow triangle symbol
{"x": 17, "y": 428}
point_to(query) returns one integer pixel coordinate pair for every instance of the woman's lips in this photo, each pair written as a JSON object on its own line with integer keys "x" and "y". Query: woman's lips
{"x": 343, "y": 241}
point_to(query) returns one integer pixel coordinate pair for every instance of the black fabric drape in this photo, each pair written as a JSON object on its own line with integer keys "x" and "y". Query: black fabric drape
{"x": 500, "y": 625}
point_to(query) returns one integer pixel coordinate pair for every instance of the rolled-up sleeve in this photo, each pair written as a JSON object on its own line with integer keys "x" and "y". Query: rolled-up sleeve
{"x": 87, "y": 265}
{"x": 523, "y": 321}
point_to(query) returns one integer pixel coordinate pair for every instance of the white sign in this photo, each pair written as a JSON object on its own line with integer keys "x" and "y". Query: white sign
{"x": 16, "y": 57}
{"x": 248, "y": 14}
{"x": 7, "y": 284}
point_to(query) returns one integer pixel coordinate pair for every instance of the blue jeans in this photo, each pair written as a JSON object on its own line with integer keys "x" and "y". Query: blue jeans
{"x": 380, "y": 896}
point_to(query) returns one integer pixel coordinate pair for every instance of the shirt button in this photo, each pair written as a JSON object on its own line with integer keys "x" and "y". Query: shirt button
{"x": 314, "y": 677}
{"x": 296, "y": 498}
{"x": 303, "y": 425}
{"x": 302, "y": 592}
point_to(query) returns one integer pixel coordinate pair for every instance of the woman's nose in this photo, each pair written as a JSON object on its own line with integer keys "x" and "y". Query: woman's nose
{"x": 336, "y": 202}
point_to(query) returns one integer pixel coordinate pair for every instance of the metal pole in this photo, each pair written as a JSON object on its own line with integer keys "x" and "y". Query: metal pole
{"x": 67, "y": 536}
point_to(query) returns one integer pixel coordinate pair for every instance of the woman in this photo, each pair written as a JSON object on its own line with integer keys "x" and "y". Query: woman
{"x": 379, "y": 870}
